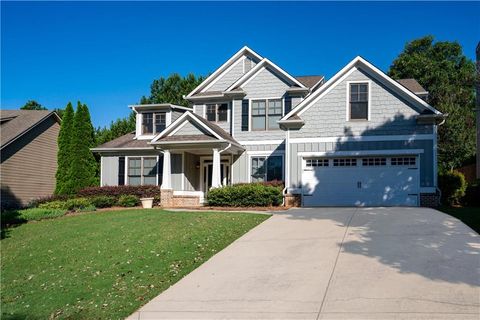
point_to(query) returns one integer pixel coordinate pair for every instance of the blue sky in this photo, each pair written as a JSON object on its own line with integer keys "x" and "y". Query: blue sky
{"x": 107, "y": 54}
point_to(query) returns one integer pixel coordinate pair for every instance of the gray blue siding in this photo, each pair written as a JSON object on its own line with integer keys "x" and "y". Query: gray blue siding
{"x": 109, "y": 171}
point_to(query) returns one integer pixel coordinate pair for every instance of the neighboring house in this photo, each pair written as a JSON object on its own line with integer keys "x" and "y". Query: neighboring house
{"x": 360, "y": 138}
{"x": 28, "y": 155}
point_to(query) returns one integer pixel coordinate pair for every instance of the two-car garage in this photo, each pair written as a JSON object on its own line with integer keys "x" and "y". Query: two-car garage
{"x": 361, "y": 181}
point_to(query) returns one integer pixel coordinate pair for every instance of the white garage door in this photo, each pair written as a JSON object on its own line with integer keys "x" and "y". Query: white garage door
{"x": 361, "y": 181}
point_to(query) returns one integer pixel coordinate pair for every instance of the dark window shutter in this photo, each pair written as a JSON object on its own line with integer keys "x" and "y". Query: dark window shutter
{"x": 121, "y": 171}
{"x": 288, "y": 104}
{"x": 245, "y": 115}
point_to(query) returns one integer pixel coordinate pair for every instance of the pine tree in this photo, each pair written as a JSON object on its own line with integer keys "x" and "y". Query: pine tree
{"x": 64, "y": 149}
{"x": 83, "y": 167}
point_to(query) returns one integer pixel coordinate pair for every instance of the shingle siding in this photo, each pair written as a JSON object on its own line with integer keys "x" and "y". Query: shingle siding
{"x": 190, "y": 129}
{"x": 389, "y": 114}
{"x": 29, "y": 164}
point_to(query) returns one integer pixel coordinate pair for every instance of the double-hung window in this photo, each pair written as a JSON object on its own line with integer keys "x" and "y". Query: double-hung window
{"x": 217, "y": 112}
{"x": 265, "y": 114}
{"x": 358, "y": 101}
{"x": 267, "y": 168}
{"x": 153, "y": 123}
{"x": 142, "y": 171}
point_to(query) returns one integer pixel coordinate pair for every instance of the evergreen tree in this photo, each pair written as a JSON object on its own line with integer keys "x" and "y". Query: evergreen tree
{"x": 33, "y": 105}
{"x": 64, "y": 149}
{"x": 83, "y": 167}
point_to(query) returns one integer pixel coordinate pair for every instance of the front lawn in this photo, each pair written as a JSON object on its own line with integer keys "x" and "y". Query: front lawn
{"x": 468, "y": 215}
{"x": 105, "y": 265}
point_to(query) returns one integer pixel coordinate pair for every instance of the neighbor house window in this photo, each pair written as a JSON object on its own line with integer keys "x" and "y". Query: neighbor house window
{"x": 359, "y": 101}
{"x": 142, "y": 171}
{"x": 267, "y": 168}
{"x": 265, "y": 114}
{"x": 217, "y": 112}
{"x": 153, "y": 123}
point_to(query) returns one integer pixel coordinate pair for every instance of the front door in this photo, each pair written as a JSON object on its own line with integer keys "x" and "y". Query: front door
{"x": 207, "y": 174}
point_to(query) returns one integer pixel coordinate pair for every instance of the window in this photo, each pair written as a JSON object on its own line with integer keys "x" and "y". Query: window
{"x": 217, "y": 112}
{"x": 265, "y": 114}
{"x": 267, "y": 168}
{"x": 142, "y": 171}
{"x": 403, "y": 161}
{"x": 370, "y": 162}
{"x": 359, "y": 101}
{"x": 316, "y": 162}
{"x": 153, "y": 123}
{"x": 345, "y": 162}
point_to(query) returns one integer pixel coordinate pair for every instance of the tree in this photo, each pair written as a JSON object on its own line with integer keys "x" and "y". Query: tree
{"x": 172, "y": 89}
{"x": 449, "y": 76}
{"x": 33, "y": 105}
{"x": 64, "y": 157}
{"x": 83, "y": 167}
{"x": 117, "y": 128}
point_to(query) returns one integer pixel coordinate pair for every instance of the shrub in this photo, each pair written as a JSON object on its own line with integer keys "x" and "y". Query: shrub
{"x": 128, "y": 201}
{"x": 35, "y": 203}
{"x": 53, "y": 205}
{"x": 103, "y": 201}
{"x": 117, "y": 191}
{"x": 88, "y": 208}
{"x": 245, "y": 195}
{"x": 19, "y": 216}
{"x": 70, "y": 204}
{"x": 453, "y": 186}
{"x": 472, "y": 195}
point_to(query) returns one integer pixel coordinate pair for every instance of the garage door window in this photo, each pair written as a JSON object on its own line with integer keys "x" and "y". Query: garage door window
{"x": 345, "y": 162}
{"x": 372, "y": 162}
{"x": 316, "y": 163}
{"x": 267, "y": 168}
{"x": 403, "y": 161}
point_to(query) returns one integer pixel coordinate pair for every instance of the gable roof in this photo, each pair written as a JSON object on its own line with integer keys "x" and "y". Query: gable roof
{"x": 243, "y": 51}
{"x": 127, "y": 141}
{"x": 310, "y": 81}
{"x": 15, "y": 123}
{"x": 358, "y": 62}
{"x": 259, "y": 67}
{"x": 413, "y": 85}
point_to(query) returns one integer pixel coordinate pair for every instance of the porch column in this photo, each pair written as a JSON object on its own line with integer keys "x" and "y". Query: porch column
{"x": 167, "y": 171}
{"x": 216, "y": 177}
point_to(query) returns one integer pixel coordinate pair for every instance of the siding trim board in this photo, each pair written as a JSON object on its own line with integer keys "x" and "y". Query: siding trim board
{"x": 361, "y": 153}
{"x": 365, "y": 138}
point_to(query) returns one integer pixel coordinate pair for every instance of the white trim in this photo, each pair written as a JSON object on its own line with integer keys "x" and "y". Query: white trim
{"x": 339, "y": 76}
{"x": 166, "y": 105}
{"x": 120, "y": 149}
{"x": 260, "y": 142}
{"x": 183, "y": 170}
{"x": 223, "y": 158}
{"x": 168, "y": 119}
{"x": 361, "y": 153}
{"x": 220, "y": 76}
{"x": 369, "y": 102}
{"x": 101, "y": 172}
{"x": 365, "y": 138}
{"x": 435, "y": 156}
{"x": 220, "y": 70}
{"x": 232, "y": 126}
{"x": 177, "y": 129}
{"x": 286, "y": 165}
{"x": 266, "y": 154}
{"x": 126, "y": 178}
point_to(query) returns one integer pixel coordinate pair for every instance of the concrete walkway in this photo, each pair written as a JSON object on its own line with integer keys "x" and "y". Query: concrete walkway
{"x": 336, "y": 263}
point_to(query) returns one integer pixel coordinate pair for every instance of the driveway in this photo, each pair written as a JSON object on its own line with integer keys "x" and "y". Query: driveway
{"x": 336, "y": 263}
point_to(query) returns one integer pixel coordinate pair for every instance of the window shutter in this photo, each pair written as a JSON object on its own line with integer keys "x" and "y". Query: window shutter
{"x": 121, "y": 171}
{"x": 245, "y": 115}
{"x": 288, "y": 104}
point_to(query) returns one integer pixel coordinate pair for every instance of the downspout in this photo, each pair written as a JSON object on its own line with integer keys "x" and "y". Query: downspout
{"x": 436, "y": 152}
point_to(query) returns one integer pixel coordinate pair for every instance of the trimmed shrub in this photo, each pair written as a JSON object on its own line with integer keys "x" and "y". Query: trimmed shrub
{"x": 70, "y": 204}
{"x": 117, "y": 191}
{"x": 128, "y": 201}
{"x": 19, "y": 216}
{"x": 35, "y": 203}
{"x": 453, "y": 186}
{"x": 54, "y": 205}
{"x": 274, "y": 183}
{"x": 245, "y": 195}
{"x": 88, "y": 208}
{"x": 103, "y": 201}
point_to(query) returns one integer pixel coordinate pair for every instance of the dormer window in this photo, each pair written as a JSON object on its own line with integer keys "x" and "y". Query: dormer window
{"x": 358, "y": 109}
{"x": 217, "y": 112}
{"x": 153, "y": 123}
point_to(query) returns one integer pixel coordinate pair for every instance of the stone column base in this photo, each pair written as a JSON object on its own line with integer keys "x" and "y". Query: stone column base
{"x": 293, "y": 200}
{"x": 166, "y": 197}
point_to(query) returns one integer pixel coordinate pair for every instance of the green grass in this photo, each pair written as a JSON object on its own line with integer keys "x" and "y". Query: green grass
{"x": 105, "y": 265}
{"x": 468, "y": 215}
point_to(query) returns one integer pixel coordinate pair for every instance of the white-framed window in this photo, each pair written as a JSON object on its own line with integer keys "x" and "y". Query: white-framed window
{"x": 217, "y": 112}
{"x": 266, "y": 168}
{"x": 265, "y": 114}
{"x": 358, "y": 101}
{"x": 153, "y": 123}
{"x": 316, "y": 162}
{"x": 142, "y": 171}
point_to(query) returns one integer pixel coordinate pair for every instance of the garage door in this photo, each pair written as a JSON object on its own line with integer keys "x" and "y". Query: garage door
{"x": 361, "y": 181}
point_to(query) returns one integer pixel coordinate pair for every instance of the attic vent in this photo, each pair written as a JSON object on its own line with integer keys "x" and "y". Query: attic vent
{"x": 247, "y": 64}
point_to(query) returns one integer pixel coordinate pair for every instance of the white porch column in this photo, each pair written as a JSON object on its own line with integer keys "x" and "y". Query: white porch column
{"x": 167, "y": 171}
{"x": 216, "y": 177}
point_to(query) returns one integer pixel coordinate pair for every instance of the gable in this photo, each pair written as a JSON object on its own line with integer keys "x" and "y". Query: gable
{"x": 189, "y": 128}
{"x": 230, "y": 76}
{"x": 265, "y": 84}
{"x": 389, "y": 112}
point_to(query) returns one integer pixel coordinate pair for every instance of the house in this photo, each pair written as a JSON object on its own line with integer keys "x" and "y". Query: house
{"x": 28, "y": 155}
{"x": 358, "y": 139}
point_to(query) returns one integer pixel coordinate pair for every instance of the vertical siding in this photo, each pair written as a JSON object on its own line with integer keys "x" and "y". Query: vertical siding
{"x": 109, "y": 171}
{"x": 192, "y": 174}
{"x": 177, "y": 175}
{"x": 28, "y": 165}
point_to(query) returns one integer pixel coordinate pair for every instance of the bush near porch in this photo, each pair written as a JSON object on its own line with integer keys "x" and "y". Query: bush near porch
{"x": 247, "y": 195}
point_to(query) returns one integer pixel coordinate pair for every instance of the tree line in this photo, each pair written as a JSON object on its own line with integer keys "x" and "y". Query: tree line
{"x": 440, "y": 67}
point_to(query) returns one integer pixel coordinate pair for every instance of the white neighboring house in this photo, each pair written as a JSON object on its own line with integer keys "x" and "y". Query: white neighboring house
{"x": 358, "y": 139}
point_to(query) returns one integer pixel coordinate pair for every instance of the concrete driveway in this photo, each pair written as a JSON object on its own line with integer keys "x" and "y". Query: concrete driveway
{"x": 336, "y": 263}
